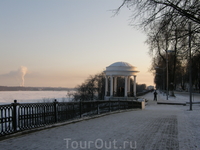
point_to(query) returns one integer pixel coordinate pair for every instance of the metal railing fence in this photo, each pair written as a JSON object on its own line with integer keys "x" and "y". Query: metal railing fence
{"x": 17, "y": 117}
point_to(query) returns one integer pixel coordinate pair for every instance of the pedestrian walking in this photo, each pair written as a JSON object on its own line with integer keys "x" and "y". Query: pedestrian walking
{"x": 155, "y": 95}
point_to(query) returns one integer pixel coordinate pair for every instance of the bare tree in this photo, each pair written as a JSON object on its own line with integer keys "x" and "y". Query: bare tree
{"x": 69, "y": 94}
{"x": 166, "y": 24}
{"x": 92, "y": 89}
{"x": 150, "y": 11}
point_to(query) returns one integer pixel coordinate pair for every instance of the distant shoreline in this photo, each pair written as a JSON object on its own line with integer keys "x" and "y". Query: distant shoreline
{"x": 21, "y": 88}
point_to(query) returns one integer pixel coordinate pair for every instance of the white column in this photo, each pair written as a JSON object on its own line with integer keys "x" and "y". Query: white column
{"x": 115, "y": 84}
{"x": 128, "y": 88}
{"x": 134, "y": 86}
{"x": 111, "y": 86}
{"x": 106, "y": 86}
{"x": 125, "y": 87}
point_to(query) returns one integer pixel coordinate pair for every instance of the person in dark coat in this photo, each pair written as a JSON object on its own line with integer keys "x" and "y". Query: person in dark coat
{"x": 155, "y": 95}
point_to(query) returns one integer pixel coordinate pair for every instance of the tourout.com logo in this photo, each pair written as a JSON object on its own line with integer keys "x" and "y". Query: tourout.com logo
{"x": 99, "y": 144}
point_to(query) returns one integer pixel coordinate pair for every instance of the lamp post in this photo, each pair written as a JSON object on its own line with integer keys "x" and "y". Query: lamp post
{"x": 167, "y": 76}
{"x": 190, "y": 64}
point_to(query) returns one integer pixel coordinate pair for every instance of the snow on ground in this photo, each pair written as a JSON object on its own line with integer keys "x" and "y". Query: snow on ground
{"x": 7, "y": 97}
{"x": 181, "y": 97}
{"x": 157, "y": 127}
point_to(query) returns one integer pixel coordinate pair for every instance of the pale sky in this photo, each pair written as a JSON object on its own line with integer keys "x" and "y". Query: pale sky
{"x": 61, "y": 42}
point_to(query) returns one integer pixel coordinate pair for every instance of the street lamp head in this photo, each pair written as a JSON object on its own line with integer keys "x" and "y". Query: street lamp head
{"x": 159, "y": 68}
{"x": 170, "y": 51}
{"x": 159, "y": 74}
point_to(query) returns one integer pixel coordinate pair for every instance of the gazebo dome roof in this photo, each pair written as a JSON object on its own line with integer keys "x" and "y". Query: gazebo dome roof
{"x": 121, "y": 64}
{"x": 121, "y": 69}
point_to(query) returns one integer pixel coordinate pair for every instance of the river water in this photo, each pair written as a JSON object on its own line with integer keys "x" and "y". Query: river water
{"x": 7, "y": 97}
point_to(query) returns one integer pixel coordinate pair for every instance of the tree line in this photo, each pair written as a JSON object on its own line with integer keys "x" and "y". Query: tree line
{"x": 172, "y": 29}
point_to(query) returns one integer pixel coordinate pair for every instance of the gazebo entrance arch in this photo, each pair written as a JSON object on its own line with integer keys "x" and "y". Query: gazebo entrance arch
{"x": 124, "y": 70}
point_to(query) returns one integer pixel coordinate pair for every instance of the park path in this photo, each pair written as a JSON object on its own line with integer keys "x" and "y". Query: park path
{"x": 157, "y": 127}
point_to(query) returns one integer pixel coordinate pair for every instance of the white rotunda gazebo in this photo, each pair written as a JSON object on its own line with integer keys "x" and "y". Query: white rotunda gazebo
{"x": 120, "y": 69}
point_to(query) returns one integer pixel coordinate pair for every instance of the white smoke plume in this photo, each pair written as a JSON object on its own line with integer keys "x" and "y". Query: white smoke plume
{"x": 22, "y": 72}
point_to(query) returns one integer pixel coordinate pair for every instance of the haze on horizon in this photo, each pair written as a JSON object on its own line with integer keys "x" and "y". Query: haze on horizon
{"x": 60, "y": 43}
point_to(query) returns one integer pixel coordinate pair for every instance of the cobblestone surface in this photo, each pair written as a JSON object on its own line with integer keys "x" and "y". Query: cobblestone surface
{"x": 161, "y": 133}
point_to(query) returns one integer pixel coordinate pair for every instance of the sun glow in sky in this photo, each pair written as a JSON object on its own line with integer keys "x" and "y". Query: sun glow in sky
{"x": 62, "y": 42}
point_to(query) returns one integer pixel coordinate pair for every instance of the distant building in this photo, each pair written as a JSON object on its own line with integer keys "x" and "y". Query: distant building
{"x": 151, "y": 87}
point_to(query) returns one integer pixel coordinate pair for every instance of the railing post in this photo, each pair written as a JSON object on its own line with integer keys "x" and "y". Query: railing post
{"x": 74, "y": 113}
{"x": 126, "y": 104}
{"x": 109, "y": 105}
{"x": 118, "y": 104}
{"x": 97, "y": 107}
{"x": 55, "y": 110}
{"x": 80, "y": 108}
{"x": 14, "y": 115}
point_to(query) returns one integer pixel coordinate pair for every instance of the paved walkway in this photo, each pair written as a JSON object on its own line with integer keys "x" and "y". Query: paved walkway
{"x": 158, "y": 127}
